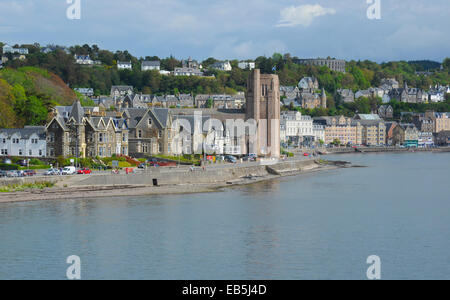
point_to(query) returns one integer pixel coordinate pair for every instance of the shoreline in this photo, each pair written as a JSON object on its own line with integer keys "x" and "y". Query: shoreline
{"x": 111, "y": 191}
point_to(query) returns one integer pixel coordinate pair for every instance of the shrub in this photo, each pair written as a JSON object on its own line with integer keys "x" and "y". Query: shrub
{"x": 36, "y": 162}
{"x": 9, "y": 166}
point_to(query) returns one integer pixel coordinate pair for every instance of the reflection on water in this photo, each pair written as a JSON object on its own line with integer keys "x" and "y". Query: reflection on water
{"x": 319, "y": 225}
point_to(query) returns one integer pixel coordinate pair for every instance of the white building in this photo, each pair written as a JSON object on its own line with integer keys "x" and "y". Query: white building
{"x": 222, "y": 66}
{"x": 26, "y": 142}
{"x": 150, "y": 65}
{"x": 124, "y": 65}
{"x": 187, "y": 72}
{"x": 9, "y": 49}
{"x": 436, "y": 96}
{"x": 426, "y": 139}
{"x": 83, "y": 60}
{"x": 319, "y": 133}
{"x": 298, "y": 128}
{"x": 247, "y": 65}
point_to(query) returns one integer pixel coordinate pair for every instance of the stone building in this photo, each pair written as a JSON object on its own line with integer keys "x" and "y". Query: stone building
{"x": 310, "y": 100}
{"x": 118, "y": 91}
{"x": 441, "y": 121}
{"x": 386, "y": 112}
{"x": 443, "y": 138}
{"x": 409, "y": 95}
{"x": 263, "y": 106}
{"x": 149, "y": 131}
{"x": 346, "y": 95}
{"x": 308, "y": 83}
{"x": 86, "y": 132}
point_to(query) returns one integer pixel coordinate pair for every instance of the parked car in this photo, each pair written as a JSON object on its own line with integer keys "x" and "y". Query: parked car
{"x": 230, "y": 159}
{"x": 12, "y": 174}
{"x": 30, "y": 173}
{"x": 69, "y": 170}
{"x": 2, "y": 173}
{"x": 250, "y": 157}
{"x": 51, "y": 172}
{"x": 84, "y": 171}
{"x": 142, "y": 166}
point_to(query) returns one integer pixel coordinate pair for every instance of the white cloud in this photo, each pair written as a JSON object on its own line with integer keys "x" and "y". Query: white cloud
{"x": 302, "y": 15}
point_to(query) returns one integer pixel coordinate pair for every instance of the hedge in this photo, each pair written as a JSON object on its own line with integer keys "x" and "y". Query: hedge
{"x": 9, "y": 167}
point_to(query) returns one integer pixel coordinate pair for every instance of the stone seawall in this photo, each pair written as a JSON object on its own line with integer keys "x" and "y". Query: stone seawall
{"x": 209, "y": 176}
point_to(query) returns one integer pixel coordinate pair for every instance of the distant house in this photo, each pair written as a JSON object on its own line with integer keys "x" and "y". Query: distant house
{"x": 83, "y": 60}
{"x": 121, "y": 91}
{"x": 124, "y": 65}
{"x": 51, "y": 48}
{"x": 435, "y": 96}
{"x": 222, "y": 66}
{"x": 9, "y": 49}
{"x": 164, "y": 72}
{"x": 87, "y": 92}
{"x": 25, "y": 142}
{"x": 409, "y": 95}
{"x": 187, "y": 72}
{"x": 186, "y": 100}
{"x": 346, "y": 95}
{"x": 386, "y": 112}
{"x": 290, "y": 92}
{"x": 389, "y": 84}
{"x": 363, "y": 94}
{"x": 150, "y": 65}
{"x": 247, "y": 65}
{"x": 310, "y": 83}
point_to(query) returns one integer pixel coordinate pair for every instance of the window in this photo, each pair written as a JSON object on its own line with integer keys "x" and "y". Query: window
{"x": 149, "y": 121}
{"x": 139, "y": 133}
{"x": 40, "y": 152}
{"x": 159, "y": 134}
{"x": 30, "y": 153}
{"x": 160, "y": 148}
{"x": 100, "y": 137}
{"x": 4, "y": 151}
{"x": 4, "y": 141}
{"x": 20, "y": 152}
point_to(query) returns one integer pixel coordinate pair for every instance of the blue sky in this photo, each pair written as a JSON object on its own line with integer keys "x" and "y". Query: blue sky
{"x": 229, "y": 29}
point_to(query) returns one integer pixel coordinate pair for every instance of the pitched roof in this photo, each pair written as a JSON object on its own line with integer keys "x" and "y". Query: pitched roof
{"x": 136, "y": 115}
{"x": 25, "y": 133}
{"x": 77, "y": 112}
{"x": 154, "y": 63}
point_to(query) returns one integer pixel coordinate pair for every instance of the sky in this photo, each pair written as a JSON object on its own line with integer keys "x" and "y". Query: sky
{"x": 236, "y": 29}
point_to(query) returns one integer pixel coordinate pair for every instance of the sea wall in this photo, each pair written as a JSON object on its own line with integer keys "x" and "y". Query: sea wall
{"x": 199, "y": 176}
{"x": 32, "y": 180}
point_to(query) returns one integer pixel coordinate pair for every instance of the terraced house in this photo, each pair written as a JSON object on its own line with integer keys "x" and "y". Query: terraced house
{"x": 86, "y": 132}
{"x": 24, "y": 142}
